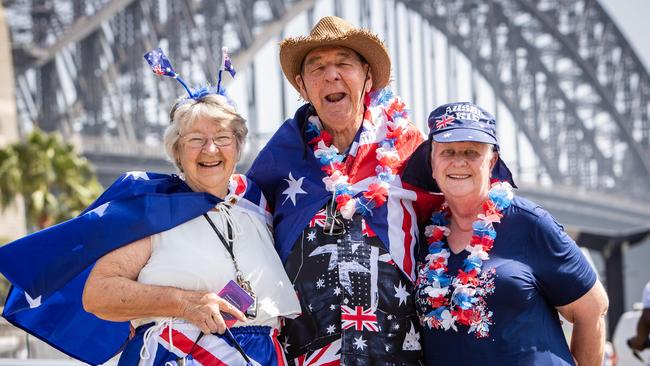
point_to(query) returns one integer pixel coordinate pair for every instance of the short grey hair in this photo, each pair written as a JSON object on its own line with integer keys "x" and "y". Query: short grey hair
{"x": 213, "y": 107}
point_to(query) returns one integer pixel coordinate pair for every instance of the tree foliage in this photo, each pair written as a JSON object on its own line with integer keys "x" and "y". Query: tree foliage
{"x": 55, "y": 183}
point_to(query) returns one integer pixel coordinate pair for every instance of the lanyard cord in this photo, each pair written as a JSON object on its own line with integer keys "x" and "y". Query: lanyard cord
{"x": 238, "y": 347}
{"x": 228, "y": 244}
{"x": 180, "y": 360}
{"x": 229, "y": 335}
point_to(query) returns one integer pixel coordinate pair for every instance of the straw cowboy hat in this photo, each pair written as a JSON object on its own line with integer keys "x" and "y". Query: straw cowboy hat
{"x": 334, "y": 31}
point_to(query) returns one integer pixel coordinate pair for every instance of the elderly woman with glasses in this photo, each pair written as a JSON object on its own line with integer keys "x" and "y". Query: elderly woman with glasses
{"x": 168, "y": 270}
{"x": 166, "y": 284}
{"x": 202, "y": 260}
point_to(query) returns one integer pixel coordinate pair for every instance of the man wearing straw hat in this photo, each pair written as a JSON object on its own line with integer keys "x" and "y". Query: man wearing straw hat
{"x": 345, "y": 226}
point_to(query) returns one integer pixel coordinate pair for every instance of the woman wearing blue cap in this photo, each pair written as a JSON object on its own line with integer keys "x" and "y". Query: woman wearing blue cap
{"x": 496, "y": 269}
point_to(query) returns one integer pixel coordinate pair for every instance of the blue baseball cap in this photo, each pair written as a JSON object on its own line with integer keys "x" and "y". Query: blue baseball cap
{"x": 454, "y": 122}
{"x": 464, "y": 121}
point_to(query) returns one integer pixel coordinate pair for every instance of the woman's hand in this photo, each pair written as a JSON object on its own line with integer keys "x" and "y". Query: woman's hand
{"x": 113, "y": 293}
{"x": 204, "y": 310}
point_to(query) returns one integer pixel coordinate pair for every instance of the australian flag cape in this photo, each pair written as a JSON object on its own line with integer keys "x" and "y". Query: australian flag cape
{"x": 291, "y": 178}
{"x": 48, "y": 269}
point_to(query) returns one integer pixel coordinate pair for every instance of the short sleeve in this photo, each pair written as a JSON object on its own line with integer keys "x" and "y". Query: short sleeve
{"x": 561, "y": 269}
{"x": 646, "y": 296}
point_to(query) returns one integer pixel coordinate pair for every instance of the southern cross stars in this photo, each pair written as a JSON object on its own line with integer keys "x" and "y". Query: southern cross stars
{"x": 360, "y": 343}
{"x": 295, "y": 188}
{"x": 311, "y": 236}
{"x": 401, "y": 293}
{"x": 33, "y": 302}
{"x": 136, "y": 175}
{"x": 99, "y": 211}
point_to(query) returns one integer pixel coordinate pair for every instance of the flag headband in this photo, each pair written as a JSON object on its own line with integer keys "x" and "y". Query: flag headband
{"x": 161, "y": 65}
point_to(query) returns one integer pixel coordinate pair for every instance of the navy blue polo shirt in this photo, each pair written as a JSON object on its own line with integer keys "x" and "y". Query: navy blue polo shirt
{"x": 538, "y": 267}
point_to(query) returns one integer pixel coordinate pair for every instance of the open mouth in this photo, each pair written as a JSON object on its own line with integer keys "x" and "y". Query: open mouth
{"x": 210, "y": 165}
{"x": 335, "y": 97}
{"x": 458, "y": 176}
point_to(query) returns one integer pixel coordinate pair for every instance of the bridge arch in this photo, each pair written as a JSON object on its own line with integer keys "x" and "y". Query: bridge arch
{"x": 577, "y": 92}
{"x": 575, "y": 88}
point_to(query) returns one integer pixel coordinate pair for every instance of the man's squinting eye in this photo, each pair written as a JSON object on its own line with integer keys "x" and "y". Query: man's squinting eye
{"x": 315, "y": 68}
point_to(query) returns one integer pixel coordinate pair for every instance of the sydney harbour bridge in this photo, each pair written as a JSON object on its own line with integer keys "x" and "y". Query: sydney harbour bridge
{"x": 577, "y": 95}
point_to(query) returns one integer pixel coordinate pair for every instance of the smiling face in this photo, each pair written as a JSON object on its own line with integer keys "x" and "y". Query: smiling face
{"x": 462, "y": 169}
{"x": 207, "y": 168}
{"x": 332, "y": 80}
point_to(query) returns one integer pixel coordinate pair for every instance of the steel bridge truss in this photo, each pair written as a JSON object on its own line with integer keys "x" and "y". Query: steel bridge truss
{"x": 577, "y": 91}
{"x": 80, "y": 67}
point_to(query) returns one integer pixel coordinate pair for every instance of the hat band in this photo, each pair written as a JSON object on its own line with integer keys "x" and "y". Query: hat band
{"x": 454, "y": 132}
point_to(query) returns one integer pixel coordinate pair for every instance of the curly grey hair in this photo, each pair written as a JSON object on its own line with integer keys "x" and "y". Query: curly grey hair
{"x": 213, "y": 107}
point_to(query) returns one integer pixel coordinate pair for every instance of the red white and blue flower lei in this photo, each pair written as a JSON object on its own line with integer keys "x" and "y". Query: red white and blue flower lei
{"x": 381, "y": 104}
{"x": 444, "y": 300}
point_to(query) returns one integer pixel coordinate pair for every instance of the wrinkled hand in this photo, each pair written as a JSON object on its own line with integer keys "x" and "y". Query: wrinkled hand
{"x": 204, "y": 309}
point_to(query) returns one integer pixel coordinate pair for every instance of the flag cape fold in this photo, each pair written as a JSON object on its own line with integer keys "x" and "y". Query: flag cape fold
{"x": 48, "y": 269}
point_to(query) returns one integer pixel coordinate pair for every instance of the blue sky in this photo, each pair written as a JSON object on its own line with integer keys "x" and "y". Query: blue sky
{"x": 631, "y": 16}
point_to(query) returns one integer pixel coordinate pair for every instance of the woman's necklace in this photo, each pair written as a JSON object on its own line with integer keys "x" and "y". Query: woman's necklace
{"x": 382, "y": 104}
{"x": 440, "y": 306}
{"x": 228, "y": 243}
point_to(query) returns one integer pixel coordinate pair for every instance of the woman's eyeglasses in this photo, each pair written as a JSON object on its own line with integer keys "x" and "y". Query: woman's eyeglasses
{"x": 199, "y": 140}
